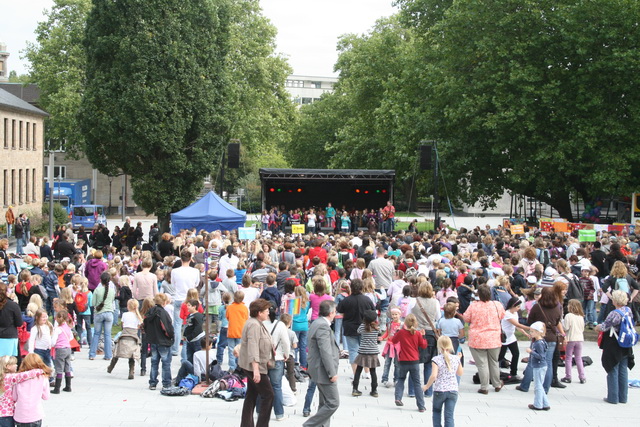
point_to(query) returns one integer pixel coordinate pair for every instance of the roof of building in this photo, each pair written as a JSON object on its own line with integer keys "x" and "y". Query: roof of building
{"x": 324, "y": 174}
{"x": 29, "y": 92}
{"x": 12, "y": 102}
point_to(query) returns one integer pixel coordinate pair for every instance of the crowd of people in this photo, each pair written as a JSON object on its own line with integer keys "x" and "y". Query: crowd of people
{"x": 396, "y": 300}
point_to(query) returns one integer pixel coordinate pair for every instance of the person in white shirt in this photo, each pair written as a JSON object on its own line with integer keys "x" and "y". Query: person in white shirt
{"x": 183, "y": 278}
{"x": 228, "y": 261}
{"x": 282, "y": 344}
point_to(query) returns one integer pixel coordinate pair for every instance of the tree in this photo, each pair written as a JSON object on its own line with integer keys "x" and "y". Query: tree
{"x": 22, "y": 78}
{"x": 537, "y": 97}
{"x": 57, "y": 66}
{"x": 154, "y": 102}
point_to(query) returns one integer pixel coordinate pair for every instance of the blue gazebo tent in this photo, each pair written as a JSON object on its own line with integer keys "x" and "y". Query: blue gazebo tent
{"x": 209, "y": 213}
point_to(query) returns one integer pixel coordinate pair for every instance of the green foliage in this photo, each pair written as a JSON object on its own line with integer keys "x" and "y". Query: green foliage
{"x": 60, "y": 216}
{"x": 154, "y": 103}
{"x": 22, "y": 78}
{"x": 533, "y": 92}
{"x": 58, "y": 64}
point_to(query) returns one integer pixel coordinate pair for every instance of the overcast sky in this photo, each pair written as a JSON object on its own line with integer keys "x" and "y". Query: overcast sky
{"x": 308, "y": 30}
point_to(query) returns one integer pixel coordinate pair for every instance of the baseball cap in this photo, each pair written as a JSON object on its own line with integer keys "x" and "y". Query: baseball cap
{"x": 538, "y": 326}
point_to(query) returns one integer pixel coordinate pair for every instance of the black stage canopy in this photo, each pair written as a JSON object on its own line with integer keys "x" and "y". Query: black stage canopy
{"x": 351, "y": 188}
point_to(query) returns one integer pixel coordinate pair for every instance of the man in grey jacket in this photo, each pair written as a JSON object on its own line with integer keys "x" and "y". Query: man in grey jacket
{"x": 324, "y": 358}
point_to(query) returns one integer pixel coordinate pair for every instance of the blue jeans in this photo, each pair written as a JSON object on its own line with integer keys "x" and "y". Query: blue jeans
{"x": 7, "y": 421}
{"x": 311, "y": 390}
{"x": 86, "y": 319}
{"x": 45, "y": 355}
{"x": 160, "y": 353}
{"x": 617, "y": 382}
{"x": 301, "y": 351}
{"x": 192, "y": 347}
{"x": 428, "y": 368}
{"x": 413, "y": 369}
{"x": 20, "y": 243}
{"x": 177, "y": 327}
{"x": 222, "y": 344}
{"x": 447, "y": 399}
{"x": 540, "y": 397}
{"x": 186, "y": 368}
{"x": 275, "y": 376}
{"x": 233, "y": 361}
{"x": 387, "y": 367}
{"x": 528, "y": 372}
{"x": 102, "y": 323}
{"x": 338, "y": 333}
{"x": 384, "y": 305}
{"x": 353, "y": 345}
{"x": 589, "y": 308}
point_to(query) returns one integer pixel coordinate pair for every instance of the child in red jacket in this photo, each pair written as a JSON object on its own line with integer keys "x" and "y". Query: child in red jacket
{"x": 410, "y": 341}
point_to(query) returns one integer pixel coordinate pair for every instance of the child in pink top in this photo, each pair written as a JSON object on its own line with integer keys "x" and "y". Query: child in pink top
{"x": 28, "y": 395}
{"x": 319, "y": 294}
{"x": 62, "y": 335}
{"x": 8, "y": 380}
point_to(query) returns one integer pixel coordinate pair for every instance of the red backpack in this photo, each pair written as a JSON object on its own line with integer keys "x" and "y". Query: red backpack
{"x": 82, "y": 301}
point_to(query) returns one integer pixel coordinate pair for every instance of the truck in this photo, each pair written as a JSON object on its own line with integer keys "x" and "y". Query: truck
{"x": 70, "y": 193}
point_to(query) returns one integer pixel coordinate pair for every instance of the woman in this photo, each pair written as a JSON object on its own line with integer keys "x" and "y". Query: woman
{"x": 94, "y": 268}
{"x": 549, "y": 311}
{"x": 484, "y": 317}
{"x": 165, "y": 247}
{"x": 10, "y": 321}
{"x": 103, "y": 301}
{"x": 282, "y": 346}
{"x": 319, "y": 294}
{"x": 255, "y": 357}
{"x": 619, "y": 279}
{"x": 427, "y": 312}
{"x": 616, "y": 360}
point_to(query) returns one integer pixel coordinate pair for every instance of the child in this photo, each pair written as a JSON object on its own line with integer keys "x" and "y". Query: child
{"x": 368, "y": 352}
{"x": 237, "y": 315}
{"x": 147, "y": 304}
{"x": 224, "y": 325}
{"x": 589, "y": 302}
{"x": 451, "y": 326}
{"x": 193, "y": 332}
{"x": 573, "y": 325}
{"x": 344, "y": 291}
{"x": 198, "y": 367}
{"x": 84, "y": 299}
{"x": 124, "y": 293}
{"x": 301, "y": 326}
{"x": 230, "y": 282}
{"x": 8, "y": 380}
{"x": 127, "y": 344}
{"x": 40, "y": 338}
{"x": 406, "y": 302}
{"x": 509, "y": 325}
{"x": 214, "y": 299}
{"x": 538, "y": 362}
{"x": 445, "y": 369}
{"x": 410, "y": 341}
{"x": 62, "y": 362}
{"x": 390, "y": 351}
{"x": 28, "y": 394}
{"x": 290, "y": 362}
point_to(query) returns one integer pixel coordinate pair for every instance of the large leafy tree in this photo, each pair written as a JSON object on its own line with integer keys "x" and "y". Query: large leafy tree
{"x": 57, "y": 66}
{"x": 537, "y": 97}
{"x": 154, "y": 102}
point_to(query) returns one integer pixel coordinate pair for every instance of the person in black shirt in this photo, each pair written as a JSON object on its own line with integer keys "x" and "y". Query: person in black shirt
{"x": 353, "y": 307}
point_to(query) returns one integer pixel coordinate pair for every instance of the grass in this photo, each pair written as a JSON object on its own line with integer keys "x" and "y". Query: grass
{"x": 422, "y": 226}
{"x": 406, "y": 214}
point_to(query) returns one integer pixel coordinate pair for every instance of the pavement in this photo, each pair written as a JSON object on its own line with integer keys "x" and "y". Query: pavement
{"x": 101, "y": 399}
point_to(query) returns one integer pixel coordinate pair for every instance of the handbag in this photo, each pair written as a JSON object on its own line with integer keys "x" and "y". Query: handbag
{"x": 503, "y": 335}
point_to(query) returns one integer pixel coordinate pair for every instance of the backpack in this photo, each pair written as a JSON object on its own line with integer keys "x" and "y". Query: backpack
{"x": 627, "y": 335}
{"x": 82, "y": 301}
{"x": 544, "y": 257}
{"x": 622, "y": 284}
{"x": 404, "y": 307}
{"x": 574, "y": 288}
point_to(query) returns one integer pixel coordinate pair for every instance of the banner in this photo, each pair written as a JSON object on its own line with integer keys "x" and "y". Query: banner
{"x": 517, "y": 229}
{"x": 293, "y": 306}
{"x": 587, "y": 235}
{"x": 297, "y": 229}
{"x": 246, "y": 233}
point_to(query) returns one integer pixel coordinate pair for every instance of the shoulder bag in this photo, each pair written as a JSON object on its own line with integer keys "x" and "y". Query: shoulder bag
{"x": 435, "y": 331}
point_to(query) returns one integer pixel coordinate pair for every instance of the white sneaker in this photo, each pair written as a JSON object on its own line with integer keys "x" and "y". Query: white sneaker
{"x": 365, "y": 376}
{"x": 388, "y": 384}
{"x": 282, "y": 418}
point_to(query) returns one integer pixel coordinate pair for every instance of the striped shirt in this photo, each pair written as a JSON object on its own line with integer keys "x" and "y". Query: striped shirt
{"x": 368, "y": 341}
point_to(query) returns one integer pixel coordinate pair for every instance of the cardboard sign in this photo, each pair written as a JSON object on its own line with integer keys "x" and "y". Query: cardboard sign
{"x": 246, "y": 233}
{"x": 587, "y": 235}
{"x": 297, "y": 229}
{"x": 517, "y": 229}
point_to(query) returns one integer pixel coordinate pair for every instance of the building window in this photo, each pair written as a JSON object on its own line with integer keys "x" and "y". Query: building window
{"x": 295, "y": 83}
{"x": 34, "y": 136}
{"x": 27, "y": 136}
{"x": 33, "y": 185}
{"x": 13, "y": 186}
{"x": 59, "y": 172}
{"x": 316, "y": 85}
{"x": 13, "y": 134}
{"x": 20, "y": 143}
{"x": 5, "y": 188}
{"x": 27, "y": 187}
{"x": 6, "y": 133}
{"x": 19, "y": 186}
{"x": 306, "y": 101}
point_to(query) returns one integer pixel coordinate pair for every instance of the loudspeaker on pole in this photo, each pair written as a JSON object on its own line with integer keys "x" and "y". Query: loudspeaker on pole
{"x": 425, "y": 157}
{"x": 233, "y": 155}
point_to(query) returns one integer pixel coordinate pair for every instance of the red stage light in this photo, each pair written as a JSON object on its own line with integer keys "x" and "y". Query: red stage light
{"x": 299, "y": 190}
{"x": 366, "y": 191}
{"x": 384, "y": 191}
{"x": 290, "y": 191}
{"x": 272, "y": 190}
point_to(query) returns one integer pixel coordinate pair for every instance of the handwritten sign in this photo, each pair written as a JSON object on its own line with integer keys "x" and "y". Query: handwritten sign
{"x": 517, "y": 229}
{"x": 297, "y": 228}
{"x": 246, "y": 233}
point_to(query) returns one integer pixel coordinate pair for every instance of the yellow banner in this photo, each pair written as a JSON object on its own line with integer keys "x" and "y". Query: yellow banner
{"x": 517, "y": 229}
{"x": 297, "y": 228}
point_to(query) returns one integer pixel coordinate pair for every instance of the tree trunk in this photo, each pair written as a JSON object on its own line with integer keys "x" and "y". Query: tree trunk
{"x": 562, "y": 203}
{"x": 164, "y": 224}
